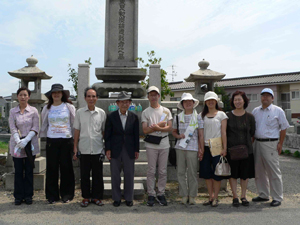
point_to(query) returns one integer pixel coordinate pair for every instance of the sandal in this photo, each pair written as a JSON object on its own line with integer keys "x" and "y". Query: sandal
{"x": 208, "y": 202}
{"x": 244, "y": 202}
{"x": 97, "y": 202}
{"x": 215, "y": 203}
{"x": 85, "y": 202}
{"x": 235, "y": 202}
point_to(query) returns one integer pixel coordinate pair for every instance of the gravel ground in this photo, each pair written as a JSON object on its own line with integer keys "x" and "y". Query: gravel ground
{"x": 71, "y": 213}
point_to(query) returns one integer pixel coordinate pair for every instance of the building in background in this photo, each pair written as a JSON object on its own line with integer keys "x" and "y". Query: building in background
{"x": 286, "y": 87}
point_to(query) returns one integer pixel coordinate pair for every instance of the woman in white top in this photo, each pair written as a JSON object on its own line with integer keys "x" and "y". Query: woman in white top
{"x": 190, "y": 127}
{"x": 57, "y": 125}
{"x": 215, "y": 123}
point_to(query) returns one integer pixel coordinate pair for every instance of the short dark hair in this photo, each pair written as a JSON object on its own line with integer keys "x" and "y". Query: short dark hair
{"x": 241, "y": 93}
{"x": 89, "y": 88}
{"x": 24, "y": 89}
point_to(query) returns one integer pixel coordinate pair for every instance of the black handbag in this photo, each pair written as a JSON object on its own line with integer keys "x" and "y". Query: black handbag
{"x": 172, "y": 152}
{"x": 154, "y": 139}
{"x": 238, "y": 152}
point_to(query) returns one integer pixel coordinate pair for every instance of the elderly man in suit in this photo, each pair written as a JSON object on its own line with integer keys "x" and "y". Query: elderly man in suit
{"x": 122, "y": 148}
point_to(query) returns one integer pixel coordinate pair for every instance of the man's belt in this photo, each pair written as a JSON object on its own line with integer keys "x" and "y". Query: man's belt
{"x": 267, "y": 139}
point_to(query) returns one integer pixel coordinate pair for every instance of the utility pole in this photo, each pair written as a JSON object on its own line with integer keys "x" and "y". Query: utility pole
{"x": 174, "y": 74}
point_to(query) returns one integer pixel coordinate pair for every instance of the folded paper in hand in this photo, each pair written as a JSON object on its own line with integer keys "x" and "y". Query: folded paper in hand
{"x": 216, "y": 146}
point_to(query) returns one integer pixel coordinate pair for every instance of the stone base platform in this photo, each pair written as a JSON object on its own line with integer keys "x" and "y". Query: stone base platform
{"x": 138, "y": 194}
{"x": 39, "y": 182}
{"x": 103, "y": 89}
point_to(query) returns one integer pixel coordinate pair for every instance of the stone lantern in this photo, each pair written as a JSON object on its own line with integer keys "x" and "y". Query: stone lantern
{"x": 204, "y": 80}
{"x": 27, "y": 74}
{"x": 31, "y": 73}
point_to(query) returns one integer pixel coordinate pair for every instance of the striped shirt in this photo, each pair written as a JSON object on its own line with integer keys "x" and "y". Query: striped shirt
{"x": 22, "y": 124}
{"x": 193, "y": 144}
{"x": 269, "y": 121}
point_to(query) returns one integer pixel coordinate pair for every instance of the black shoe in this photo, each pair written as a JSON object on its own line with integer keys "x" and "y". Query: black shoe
{"x": 259, "y": 199}
{"x": 129, "y": 203}
{"x": 18, "y": 202}
{"x": 28, "y": 201}
{"x": 150, "y": 201}
{"x": 117, "y": 203}
{"x": 275, "y": 203}
{"x": 161, "y": 200}
{"x": 66, "y": 200}
{"x": 235, "y": 202}
{"x": 51, "y": 201}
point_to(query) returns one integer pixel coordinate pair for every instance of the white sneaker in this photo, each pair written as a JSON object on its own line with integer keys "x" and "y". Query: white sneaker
{"x": 184, "y": 200}
{"x": 192, "y": 201}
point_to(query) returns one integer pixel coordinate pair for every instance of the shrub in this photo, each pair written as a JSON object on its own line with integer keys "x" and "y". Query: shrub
{"x": 287, "y": 152}
{"x": 297, "y": 154}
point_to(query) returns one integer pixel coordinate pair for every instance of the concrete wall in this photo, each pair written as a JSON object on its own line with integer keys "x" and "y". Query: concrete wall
{"x": 295, "y": 103}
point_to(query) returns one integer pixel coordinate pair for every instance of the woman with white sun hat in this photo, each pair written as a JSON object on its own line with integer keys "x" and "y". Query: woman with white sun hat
{"x": 188, "y": 131}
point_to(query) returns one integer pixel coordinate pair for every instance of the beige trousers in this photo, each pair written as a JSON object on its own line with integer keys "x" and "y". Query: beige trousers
{"x": 268, "y": 176}
{"x": 187, "y": 162}
{"x": 157, "y": 157}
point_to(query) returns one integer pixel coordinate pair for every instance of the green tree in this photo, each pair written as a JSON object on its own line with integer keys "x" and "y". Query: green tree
{"x": 73, "y": 75}
{"x": 165, "y": 89}
{"x": 225, "y": 97}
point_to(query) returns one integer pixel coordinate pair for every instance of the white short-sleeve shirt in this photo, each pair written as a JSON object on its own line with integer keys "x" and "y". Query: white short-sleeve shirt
{"x": 269, "y": 121}
{"x": 212, "y": 126}
{"x": 153, "y": 116}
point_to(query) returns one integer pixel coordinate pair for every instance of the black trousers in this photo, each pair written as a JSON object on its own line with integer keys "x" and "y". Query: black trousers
{"x": 59, "y": 159}
{"x": 23, "y": 186}
{"x": 88, "y": 163}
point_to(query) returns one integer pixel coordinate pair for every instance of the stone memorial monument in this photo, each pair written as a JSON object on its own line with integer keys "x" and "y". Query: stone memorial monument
{"x": 120, "y": 72}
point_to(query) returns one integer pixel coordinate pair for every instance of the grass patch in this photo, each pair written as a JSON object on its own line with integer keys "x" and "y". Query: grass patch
{"x": 3, "y": 147}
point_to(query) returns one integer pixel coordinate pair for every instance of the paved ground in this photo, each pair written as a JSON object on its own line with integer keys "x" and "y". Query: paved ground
{"x": 71, "y": 213}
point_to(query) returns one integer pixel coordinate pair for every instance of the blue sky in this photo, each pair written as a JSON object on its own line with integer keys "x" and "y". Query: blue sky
{"x": 237, "y": 37}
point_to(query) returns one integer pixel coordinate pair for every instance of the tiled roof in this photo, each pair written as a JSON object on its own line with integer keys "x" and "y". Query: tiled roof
{"x": 246, "y": 81}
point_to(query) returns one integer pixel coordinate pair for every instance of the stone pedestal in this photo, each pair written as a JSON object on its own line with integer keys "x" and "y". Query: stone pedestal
{"x": 104, "y": 103}
{"x": 39, "y": 173}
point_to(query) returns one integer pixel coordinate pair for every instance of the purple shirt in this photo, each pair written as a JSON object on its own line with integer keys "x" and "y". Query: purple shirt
{"x": 22, "y": 124}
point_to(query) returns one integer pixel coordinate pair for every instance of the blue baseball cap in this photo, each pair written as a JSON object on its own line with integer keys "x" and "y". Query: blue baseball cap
{"x": 267, "y": 90}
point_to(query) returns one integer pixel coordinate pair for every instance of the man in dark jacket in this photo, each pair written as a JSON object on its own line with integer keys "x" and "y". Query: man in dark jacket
{"x": 122, "y": 147}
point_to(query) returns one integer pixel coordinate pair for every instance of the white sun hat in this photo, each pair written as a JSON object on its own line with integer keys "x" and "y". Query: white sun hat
{"x": 187, "y": 96}
{"x": 211, "y": 95}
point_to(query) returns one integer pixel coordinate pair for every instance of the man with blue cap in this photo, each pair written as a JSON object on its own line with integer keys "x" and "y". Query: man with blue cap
{"x": 271, "y": 125}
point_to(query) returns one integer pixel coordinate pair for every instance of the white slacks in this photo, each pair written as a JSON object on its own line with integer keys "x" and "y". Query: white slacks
{"x": 268, "y": 176}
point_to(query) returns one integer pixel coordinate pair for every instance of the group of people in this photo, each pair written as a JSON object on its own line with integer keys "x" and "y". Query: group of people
{"x": 260, "y": 134}
{"x": 89, "y": 135}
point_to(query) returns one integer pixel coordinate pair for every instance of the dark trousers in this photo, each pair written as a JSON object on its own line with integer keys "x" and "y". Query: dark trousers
{"x": 128, "y": 169}
{"x": 23, "y": 186}
{"x": 88, "y": 163}
{"x": 59, "y": 159}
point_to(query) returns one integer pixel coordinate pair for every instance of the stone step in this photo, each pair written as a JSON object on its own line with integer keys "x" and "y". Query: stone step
{"x": 43, "y": 146}
{"x": 142, "y": 157}
{"x": 138, "y": 193}
{"x": 142, "y": 180}
{"x": 140, "y": 169}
